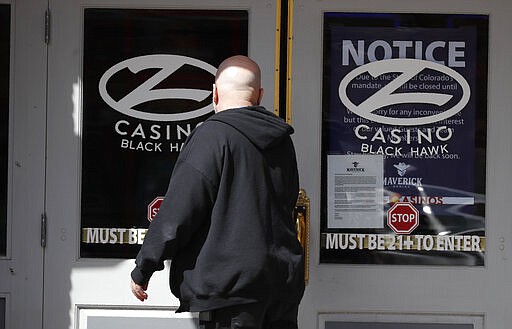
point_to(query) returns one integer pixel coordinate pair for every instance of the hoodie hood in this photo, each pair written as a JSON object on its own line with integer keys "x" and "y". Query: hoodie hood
{"x": 263, "y": 128}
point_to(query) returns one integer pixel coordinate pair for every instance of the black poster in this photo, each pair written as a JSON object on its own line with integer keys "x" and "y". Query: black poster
{"x": 404, "y": 139}
{"x": 5, "y": 49}
{"x": 147, "y": 80}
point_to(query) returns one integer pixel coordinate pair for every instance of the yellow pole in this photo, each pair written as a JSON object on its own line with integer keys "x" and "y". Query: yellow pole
{"x": 277, "y": 57}
{"x": 289, "y": 64}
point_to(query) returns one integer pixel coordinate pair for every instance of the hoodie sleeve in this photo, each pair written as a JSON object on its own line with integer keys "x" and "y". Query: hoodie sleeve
{"x": 188, "y": 203}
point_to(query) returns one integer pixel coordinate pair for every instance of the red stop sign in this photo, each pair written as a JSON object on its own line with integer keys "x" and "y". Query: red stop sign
{"x": 403, "y": 218}
{"x": 153, "y": 207}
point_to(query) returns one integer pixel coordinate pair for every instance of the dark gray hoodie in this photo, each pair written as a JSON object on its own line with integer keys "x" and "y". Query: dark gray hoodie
{"x": 226, "y": 221}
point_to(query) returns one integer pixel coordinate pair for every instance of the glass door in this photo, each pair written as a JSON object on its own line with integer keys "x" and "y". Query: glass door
{"x": 395, "y": 241}
{"x": 128, "y": 81}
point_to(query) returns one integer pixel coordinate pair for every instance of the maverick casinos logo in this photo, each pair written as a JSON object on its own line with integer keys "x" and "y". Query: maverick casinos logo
{"x": 150, "y": 131}
{"x": 401, "y": 168}
{"x": 355, "y": 167}
{"x": 401, "y": 180}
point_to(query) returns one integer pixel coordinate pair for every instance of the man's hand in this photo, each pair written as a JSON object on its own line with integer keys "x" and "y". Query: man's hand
{"x": 139, "y": 291}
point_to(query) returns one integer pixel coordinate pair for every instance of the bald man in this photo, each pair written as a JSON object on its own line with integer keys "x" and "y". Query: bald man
{"x": 238, "y": 83}
{"x": 226, "y": 221}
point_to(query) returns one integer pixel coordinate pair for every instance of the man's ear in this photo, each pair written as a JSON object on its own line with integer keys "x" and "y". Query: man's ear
{"x": 215, "y": 96}
{"x": 260, "y": 97}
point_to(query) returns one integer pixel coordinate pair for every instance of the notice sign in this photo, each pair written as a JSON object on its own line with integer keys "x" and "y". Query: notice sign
{"x": 354, "y": 189}
{"x": 147, "y": 83}
{"x": 411, "y": 90}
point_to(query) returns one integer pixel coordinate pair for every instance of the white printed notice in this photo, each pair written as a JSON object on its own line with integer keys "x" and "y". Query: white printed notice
{"x": 355, "y": 191}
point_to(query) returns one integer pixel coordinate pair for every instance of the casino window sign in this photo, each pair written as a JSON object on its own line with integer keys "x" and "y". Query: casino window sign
{"x": 447, "y": 243}
{"x": 403, "y": 218}
{"x": 143, "y": 95}
{"x": 413, "y": 95}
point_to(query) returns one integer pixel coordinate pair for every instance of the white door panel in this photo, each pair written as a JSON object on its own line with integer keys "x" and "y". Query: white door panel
{"x": 21, "y": 268}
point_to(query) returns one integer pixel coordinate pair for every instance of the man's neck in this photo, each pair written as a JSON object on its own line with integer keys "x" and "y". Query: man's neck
{"x": 233, "y": 105}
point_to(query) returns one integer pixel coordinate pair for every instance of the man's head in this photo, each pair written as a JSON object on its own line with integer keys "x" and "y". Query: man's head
{"x": 237, "y": 84}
